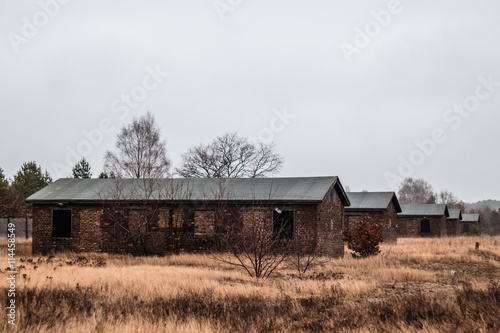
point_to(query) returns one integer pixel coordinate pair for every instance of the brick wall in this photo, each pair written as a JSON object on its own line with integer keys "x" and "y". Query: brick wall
{"x": 386, "y": 219}
{"x": 88, "y": 223}
{"x": 452, "y": 227}
{"x": 85, "y": 230}
{"x": 442, "y": 226}
{"x": 330, "y": 223}
{"x": 410, "y": 227}
{"x": 204, "y": 222}
{"x": 316, "y": 226}
{"x": 470, "y": 224}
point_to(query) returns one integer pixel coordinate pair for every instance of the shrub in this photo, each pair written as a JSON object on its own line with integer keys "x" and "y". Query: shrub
{"x": 364, "y": 239}
{"x": 474, "y": 231}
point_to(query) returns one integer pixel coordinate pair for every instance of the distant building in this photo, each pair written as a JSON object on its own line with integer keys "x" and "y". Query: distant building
{"x": 104, "y": 215}
{"x": 468, "y": 221}
{"x": 453, "y": 225}
{"x": 381, "y": 207}
{"x": 423, "y": 220}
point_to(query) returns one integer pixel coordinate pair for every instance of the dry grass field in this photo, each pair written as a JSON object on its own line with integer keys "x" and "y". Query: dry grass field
{"x": 406, "y": 288}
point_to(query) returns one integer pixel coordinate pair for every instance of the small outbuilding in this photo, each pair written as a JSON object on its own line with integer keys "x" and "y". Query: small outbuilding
{"x": 453, "y": 226}
{"x": 423, "y": 220}
{"x": 469, "y": 222}
{"x": 381, "y": 207}
{"x": 157, "y": 216}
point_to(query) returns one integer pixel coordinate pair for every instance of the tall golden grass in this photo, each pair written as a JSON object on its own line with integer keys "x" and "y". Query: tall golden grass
{"x": 408, "y": 287}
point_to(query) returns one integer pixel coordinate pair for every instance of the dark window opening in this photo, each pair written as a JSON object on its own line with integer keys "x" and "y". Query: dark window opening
{"x": 61, "y": 223}
{"x": 283, "y": 224}
{"x": 425, "y": 225}
{"x": 188, "y": 217}
{"x": 465, "y": 228}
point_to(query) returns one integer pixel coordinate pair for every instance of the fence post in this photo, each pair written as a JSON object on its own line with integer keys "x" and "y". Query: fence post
{"x": 26, "y": 230}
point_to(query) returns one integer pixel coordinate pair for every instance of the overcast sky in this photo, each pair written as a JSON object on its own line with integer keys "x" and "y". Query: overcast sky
{"x": 371, "y": 91}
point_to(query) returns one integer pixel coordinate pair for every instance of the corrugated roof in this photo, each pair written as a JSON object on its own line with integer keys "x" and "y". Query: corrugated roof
{"x": 470, "y": 217}
{"x": 311, "y": 189}
{"x": 455, "y": 214}
{"x": 424, "y": 210}
{"x": 372, "y": 201}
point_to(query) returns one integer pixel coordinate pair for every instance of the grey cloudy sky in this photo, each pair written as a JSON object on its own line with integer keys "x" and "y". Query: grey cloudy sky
{"x": 344, "y": 88}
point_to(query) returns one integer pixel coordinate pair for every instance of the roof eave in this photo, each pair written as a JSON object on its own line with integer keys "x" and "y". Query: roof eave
{"x": 420, "y": 215}
{"x": 344, "y": 198}
{"x": 396, "y": 204}
{"x": 353, "y": 209}
{"x": 56, "y": 202}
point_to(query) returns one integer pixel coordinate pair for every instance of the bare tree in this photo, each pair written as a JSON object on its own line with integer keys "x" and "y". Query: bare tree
{"x": 141, "y": 152}
{"x": 415, "y": 191}
{"x": 253, "y": 246}
{"x": 448, "y": 198}
{"x": 230, "y": 156}
{"x": 302, "y": 258}
{"x": 245, "y": 231}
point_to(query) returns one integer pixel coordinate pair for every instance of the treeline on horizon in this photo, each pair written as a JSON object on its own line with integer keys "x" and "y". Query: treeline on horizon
{"x": 141, "y": 153}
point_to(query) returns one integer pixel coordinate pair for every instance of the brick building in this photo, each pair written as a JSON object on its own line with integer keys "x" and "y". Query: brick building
{"x": 164, "y": 215}
{"x": 381, "y": 207}
{"x": 453, "y": 226}
{"x": 422, "y": 220}
{"x": 468, "y": 221}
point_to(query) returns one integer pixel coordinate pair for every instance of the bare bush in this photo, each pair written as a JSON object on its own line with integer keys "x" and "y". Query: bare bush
{"x": 243, "y": 230}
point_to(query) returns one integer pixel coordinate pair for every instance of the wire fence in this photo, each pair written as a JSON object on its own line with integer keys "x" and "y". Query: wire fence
{"x": 23, "y": 226}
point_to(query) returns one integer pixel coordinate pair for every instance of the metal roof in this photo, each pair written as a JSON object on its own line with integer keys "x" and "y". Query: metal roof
{"x": 311, "y": 189}
{"x": 470, "y": 217}
{"x": 424, "y": 210}
{"x": 455, "y": 214}
{"x": 372, "y": 201}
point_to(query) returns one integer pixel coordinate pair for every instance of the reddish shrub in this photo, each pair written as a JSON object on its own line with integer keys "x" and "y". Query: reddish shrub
{"x": 364, "y": 239}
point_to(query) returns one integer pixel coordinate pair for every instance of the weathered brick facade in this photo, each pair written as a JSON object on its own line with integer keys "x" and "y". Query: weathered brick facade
{"x": 330, "y": 221}
{"x": 85, "y": 230}
{"x": 386, "y": 219}
{"x": 424, "y": 220}
{"x": 452, "y": 227}
{"x": 466, "y": 227}
{"x": 469, "y": 222}
{"x": 316, "y": 226}
{"x": 411, "y": 227}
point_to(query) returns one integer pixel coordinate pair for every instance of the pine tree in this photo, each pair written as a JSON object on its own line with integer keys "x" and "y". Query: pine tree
{"x": 30, "y": 179}
{"x": 82, "y": 169}
{"x": 4, "y": 184}
{"x": 103, "y": 175}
